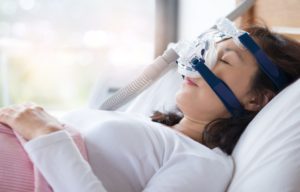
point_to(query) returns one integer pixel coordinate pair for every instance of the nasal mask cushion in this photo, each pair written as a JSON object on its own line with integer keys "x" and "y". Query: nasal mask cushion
{"x": 201, "y": 48}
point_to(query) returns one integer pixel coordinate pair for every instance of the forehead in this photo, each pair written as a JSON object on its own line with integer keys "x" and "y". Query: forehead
{"x": 229, "y": 43}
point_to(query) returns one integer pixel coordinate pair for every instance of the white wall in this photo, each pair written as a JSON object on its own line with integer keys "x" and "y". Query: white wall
{"x": 195, "y": 16}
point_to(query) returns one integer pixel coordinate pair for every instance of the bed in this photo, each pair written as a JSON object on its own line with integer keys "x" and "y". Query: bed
{"x": 267, "y": 156}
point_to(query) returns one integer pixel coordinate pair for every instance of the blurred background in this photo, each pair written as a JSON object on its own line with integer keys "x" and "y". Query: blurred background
{"x": 57, "y": 52}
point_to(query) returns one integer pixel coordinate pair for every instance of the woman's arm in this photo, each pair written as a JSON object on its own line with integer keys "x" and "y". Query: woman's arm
{"x": 61, "y": 163}
{"x": 51, "y": 149}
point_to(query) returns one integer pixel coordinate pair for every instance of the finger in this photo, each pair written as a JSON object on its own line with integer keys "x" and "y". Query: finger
{"x": 29, "y": 104}
{"x": 13, "y": 111}
{"x": 6, "y": 117}
{"x": 14, "y": 107}
{"x": 23, "y": 107}
{"x": 33, "y": 106}
{"x": 8, "y": 110}
{"x": 17, "y": 107}
{"x": 37, "y": 107}
{"x": 4, "y": 108}
{"x": 7, "y": 113}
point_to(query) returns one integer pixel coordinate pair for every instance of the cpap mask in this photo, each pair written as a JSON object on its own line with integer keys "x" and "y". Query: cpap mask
{"x": 203, "y": 48}
{"x": 197, "y": 58}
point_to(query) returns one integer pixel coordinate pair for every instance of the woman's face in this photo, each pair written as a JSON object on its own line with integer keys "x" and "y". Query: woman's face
{"x": 236, "y": 67}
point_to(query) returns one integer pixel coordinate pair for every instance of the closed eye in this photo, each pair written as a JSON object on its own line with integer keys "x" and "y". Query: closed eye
{"x": 223, "y": 61}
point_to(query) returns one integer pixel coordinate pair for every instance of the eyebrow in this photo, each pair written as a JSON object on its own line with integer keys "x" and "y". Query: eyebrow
{"x": 236, "y": 52}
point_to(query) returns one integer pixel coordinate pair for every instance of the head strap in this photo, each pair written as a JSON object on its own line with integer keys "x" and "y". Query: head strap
{"x": 228, "y": 98}
{"x": 274, "y": 73}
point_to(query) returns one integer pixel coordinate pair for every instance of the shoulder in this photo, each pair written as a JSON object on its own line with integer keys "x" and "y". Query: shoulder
{"x": 191, "y": 172}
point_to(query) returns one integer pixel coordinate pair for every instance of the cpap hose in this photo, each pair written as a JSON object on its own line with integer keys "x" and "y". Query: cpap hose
{"x": 148, "y": 76}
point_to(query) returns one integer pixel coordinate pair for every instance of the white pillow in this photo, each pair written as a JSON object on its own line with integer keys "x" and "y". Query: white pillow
{"x": 267, "y": 156}
{"x": 159, "y": 96}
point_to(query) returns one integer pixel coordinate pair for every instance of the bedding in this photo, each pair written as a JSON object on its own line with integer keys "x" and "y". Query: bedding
{"x": 267, "y": 156}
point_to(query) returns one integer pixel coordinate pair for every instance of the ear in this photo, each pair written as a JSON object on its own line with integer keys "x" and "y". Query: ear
{"x": 258, "y": 100}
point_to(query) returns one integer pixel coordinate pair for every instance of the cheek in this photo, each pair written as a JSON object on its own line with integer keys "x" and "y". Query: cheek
{"x": 187, "y": 100}
{"x": 239, "y": 82}
{"x": 187, "y": 94}
{"x": 199, "y": 102}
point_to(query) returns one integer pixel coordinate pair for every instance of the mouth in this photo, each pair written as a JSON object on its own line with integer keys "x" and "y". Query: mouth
{"x": 190, "y": 82}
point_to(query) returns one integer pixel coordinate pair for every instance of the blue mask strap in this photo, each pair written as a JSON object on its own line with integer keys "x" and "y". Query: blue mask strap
{"x": 276, "y": 75}
{"x": 228, "y": 98}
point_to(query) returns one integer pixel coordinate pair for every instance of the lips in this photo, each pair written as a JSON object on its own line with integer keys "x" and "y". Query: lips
{"x": 190, "y": 82}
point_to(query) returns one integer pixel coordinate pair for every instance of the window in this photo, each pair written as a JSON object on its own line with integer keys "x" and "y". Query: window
{"x": 53, "y": 51}
{"x": 196, "y": 16}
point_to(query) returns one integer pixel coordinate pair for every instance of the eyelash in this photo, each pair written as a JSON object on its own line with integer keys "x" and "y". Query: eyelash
{"x": 223, "y": 61}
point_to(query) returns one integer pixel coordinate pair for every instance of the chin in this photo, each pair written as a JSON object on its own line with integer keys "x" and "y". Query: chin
{"x": 199, "y": 109}
{"x": 178, "y": 100}
{"x": 184, "y": 104}
{"x": 185, "y": 97}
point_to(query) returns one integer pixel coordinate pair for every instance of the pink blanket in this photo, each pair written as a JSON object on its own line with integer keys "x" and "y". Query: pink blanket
{"x": 17, "y": 173}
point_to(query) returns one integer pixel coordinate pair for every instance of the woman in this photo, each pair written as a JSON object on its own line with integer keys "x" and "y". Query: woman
{"x": 153, "y": 157}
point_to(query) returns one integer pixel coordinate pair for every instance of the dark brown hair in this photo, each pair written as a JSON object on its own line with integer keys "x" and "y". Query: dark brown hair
{"x": 225, "y": 132}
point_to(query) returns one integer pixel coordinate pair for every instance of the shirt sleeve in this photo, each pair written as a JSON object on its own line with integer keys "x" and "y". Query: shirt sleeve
{"x": 60, "y": 162}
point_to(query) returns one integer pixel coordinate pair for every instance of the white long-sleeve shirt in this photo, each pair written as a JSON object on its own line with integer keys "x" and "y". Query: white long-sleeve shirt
{"x": 129, "y": 154}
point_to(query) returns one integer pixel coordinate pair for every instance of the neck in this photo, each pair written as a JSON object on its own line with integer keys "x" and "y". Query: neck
{"x": 191, "y": 127}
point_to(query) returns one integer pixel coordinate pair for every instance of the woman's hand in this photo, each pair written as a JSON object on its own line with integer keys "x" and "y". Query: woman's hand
{"x": 29, "y": 120}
